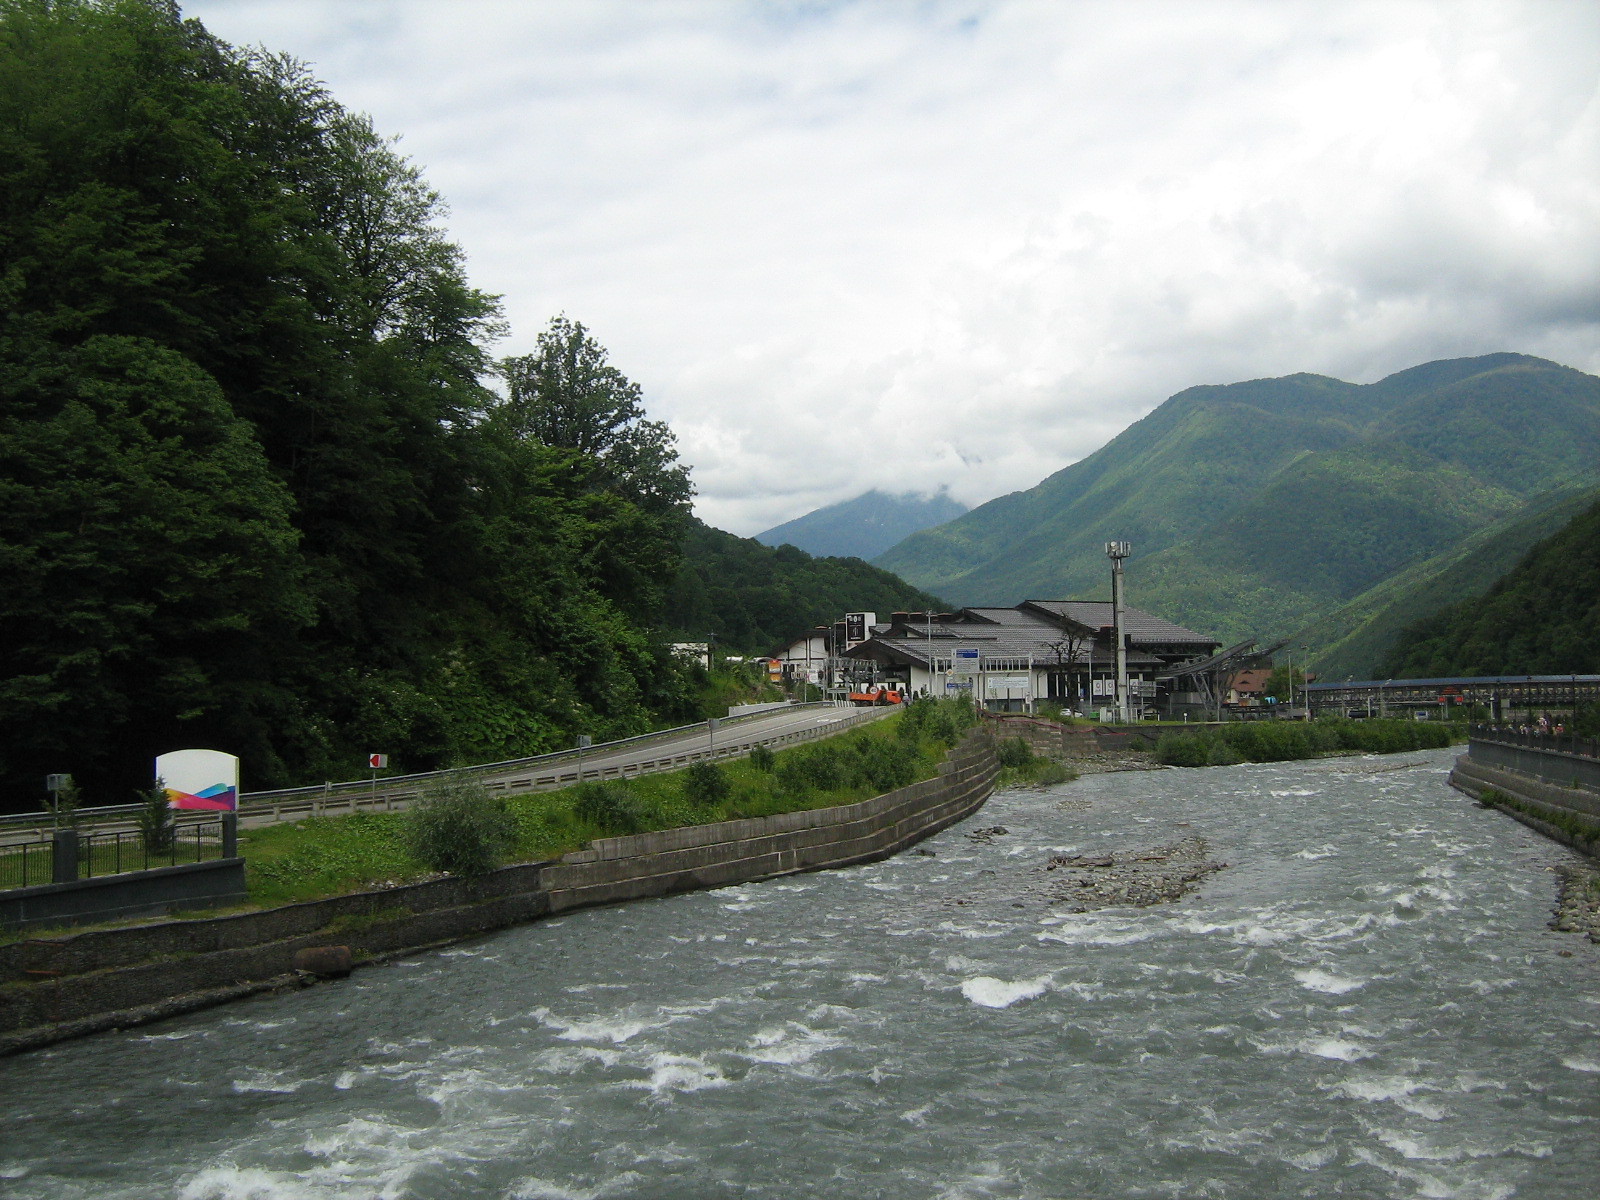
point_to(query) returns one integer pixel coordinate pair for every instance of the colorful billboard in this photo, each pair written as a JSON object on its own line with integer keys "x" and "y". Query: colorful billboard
{"x": 204, "y": 779}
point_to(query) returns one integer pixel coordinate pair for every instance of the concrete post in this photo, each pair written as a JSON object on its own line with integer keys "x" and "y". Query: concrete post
{"x": 1117, "y": 551}
{"x": 64, "y": 858}
{"x": 230, "y": 835}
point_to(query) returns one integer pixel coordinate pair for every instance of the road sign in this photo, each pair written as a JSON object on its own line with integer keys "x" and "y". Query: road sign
{"x": 377, "y": 761}
{"x": 54, "y": 783}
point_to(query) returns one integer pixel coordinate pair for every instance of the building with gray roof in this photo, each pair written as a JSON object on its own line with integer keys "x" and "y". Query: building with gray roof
{"x": 1007, "y": 659}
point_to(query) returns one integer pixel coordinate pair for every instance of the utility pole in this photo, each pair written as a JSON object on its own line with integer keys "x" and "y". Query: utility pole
{"x": 1116, "y": 552}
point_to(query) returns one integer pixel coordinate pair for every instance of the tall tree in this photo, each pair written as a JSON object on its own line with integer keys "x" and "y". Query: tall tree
{"x": 584, "y": 413}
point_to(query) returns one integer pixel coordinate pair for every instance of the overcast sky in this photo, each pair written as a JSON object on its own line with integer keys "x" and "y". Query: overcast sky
{"x": 913, "y": 245}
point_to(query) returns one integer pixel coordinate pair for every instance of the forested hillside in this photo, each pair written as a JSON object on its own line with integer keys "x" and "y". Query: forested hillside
{"x": 752, "y": 598}
{"x": 1352, "y": 641}
{"x": 865, "y": 526}
{"x": 1256, "y": 508}
{"x": 1541, "y": 618}
{"x": 254, "y": 492}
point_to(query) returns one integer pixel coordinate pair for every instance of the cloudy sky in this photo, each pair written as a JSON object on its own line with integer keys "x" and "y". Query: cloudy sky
{"x": 912, "y": 245}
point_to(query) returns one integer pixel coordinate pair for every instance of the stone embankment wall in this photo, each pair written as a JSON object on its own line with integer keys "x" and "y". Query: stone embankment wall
{"x": 1555, "y": 793}
{"x": 1080, "y": 741}
{"x": 80, "y": 983}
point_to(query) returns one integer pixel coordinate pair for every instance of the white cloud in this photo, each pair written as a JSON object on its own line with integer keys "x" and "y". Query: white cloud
{"x": 873, "y": 244}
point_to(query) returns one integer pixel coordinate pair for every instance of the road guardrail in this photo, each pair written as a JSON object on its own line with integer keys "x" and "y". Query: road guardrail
{"x": 384, "y": 793}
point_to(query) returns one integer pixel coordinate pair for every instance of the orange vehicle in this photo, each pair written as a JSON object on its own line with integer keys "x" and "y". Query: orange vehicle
{"x": 882, "y": 694}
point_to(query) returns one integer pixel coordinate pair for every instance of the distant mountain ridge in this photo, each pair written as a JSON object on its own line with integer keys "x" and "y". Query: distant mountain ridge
{"x": 1258, "y": 508}
{"x": 866, "y": 526}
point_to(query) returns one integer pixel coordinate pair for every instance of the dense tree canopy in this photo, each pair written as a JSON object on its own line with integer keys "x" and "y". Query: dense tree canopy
{"x": 254, "y": 490}
{"x": 1541, "y": 618}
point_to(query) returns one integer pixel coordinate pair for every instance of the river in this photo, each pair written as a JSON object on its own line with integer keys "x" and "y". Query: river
{"x": 1364, "y": 1002}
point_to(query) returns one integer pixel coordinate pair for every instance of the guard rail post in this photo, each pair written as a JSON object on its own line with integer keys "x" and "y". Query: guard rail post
{"x": 64, "y": 858}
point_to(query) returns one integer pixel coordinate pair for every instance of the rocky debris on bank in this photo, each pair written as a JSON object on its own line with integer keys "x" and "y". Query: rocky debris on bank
{"x": 1104, "y": 762}
{"x": 1134, "y": 878}
{"x": 1578, "y": 906}
{"x": 987, "y": 836}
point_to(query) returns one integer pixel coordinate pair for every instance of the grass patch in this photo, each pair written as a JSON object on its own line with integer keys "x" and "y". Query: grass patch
{"x": 1020, "y": 766}
{"x": 328, "y": 856}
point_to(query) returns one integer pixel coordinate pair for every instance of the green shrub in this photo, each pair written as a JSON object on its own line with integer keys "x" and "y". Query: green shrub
{"x": 705, "y": 785}
{"x": 1585, "y": 720}
{"x": 610, "y": 807}
{"x": 947, "y": 720}
{"x": 811, "y": 768}
{"x": 914, "y": 718}
{"x": 64, "y": 804}
{"x": 1183, "y": 750}
{"x": 1014, "y": 752}
{"x": 156, "y": 829}
{"x": 762, "y": 759}
{"x": 882, "y": 765}
{"x": 459, "y": 828}
{"x": 1050, "y": 772}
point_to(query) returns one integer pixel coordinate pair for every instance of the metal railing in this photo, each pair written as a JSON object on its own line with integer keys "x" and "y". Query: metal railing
{"x": 65, "y": 855}
{"x": 25, "y": 864}
{"x": 1532, "y": 738}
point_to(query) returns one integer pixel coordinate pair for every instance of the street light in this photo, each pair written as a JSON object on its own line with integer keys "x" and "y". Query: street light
{"x": 1116, "y": 552}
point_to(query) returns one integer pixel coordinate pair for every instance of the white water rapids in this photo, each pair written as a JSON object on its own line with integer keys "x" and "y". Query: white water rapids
{"x": 1366, "y": 1002}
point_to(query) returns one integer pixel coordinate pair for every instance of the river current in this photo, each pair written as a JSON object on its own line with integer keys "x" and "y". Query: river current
{"x": 1365, "y": 1002}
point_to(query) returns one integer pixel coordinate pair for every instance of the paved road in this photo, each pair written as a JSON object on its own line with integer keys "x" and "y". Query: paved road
{"x": 731, "y": 739}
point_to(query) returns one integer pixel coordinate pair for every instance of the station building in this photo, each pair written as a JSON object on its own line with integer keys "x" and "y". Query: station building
{"x": 1008, "y": 659}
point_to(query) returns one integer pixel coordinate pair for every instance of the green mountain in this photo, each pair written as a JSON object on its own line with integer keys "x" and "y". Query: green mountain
{"x": 1542, "y": 617}
{"x": 1352, "y": 641}
{"x": 1258, "y": 507}
{"x": 866, "y": 526}
{"x": 752, "y": 598}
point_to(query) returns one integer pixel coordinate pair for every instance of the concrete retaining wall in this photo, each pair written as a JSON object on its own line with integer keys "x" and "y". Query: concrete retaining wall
{"x": 1079, "y": 741}
{"x": 80, "y": 983}
{"x": 154, "y": 892}
{"x": 1551, "y": 766}
{"x": 1565, "y": 814}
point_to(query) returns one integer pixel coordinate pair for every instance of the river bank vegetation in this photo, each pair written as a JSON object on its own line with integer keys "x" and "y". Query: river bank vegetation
{"x": 1281, "y": 741}
{"x": 326, "y": 856}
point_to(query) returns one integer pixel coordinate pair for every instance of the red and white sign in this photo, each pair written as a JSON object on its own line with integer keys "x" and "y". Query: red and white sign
{"x": 377, "y": 761}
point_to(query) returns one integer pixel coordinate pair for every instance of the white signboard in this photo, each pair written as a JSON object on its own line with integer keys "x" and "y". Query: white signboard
{"x": 1005, "y": 685}
{"x": 964, "y": 661}
{"x": 206, "y": 779}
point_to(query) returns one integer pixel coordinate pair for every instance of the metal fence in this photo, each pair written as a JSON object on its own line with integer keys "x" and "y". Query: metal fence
{"x": 26, "y": 863}
{"x": 66, "y": 855}
{"x": 1532, "y": 739}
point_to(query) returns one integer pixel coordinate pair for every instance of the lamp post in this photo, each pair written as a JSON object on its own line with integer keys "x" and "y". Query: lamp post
{"x": 1305, "y": 680}
{"x": 1116, "y": 552}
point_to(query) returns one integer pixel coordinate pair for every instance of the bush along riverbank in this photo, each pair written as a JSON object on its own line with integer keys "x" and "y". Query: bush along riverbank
{"x": 458, "y": 829}
{"x": 1281, "y": 741}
